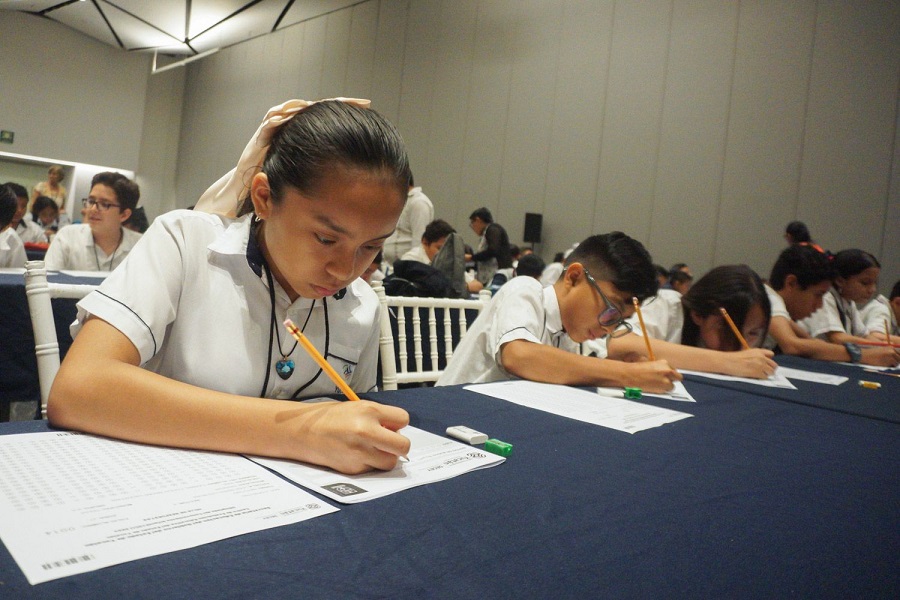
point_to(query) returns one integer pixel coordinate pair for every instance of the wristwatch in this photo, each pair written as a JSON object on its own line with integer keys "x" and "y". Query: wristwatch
{"x": 854, "y": 352}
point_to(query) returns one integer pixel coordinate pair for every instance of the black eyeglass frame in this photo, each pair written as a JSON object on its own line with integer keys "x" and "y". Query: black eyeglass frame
{"x": 101, "y": 205}
{"x": 615, "y": 319}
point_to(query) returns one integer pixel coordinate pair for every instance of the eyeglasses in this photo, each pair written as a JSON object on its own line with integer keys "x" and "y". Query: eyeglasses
{"x": 89, "y": 203}
{"x": 611, "y": 317}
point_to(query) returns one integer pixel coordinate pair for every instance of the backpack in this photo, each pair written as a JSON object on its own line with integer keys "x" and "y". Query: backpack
{"x": 412, "y": 278}
{"x": 451, "y": 261}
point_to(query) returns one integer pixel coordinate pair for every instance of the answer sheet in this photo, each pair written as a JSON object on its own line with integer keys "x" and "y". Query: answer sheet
{"x": 589, "y": 407}
{"x": 73, "y": 503}
{"x": 777, "y": 380}
{"x": 812, "y": 376}
{"x": 431, "y": 458}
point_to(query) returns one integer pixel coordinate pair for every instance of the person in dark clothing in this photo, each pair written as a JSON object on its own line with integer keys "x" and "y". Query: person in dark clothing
{"x": 493, "y": 250}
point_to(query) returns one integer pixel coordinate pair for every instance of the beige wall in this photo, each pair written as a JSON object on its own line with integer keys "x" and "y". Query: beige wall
{"x": 700, "y": 127}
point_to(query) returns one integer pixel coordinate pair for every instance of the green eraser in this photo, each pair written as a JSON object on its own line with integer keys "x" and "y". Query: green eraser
{"x": 633, "y": 393}
{"x": 498, "y": 447}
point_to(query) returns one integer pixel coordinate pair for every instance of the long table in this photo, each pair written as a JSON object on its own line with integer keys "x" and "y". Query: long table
{"x": 752, "y": 497}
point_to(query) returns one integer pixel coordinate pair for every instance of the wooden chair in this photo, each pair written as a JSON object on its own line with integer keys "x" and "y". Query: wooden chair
{"x": 46, "y": 346}
{"x": 446, "y": 322}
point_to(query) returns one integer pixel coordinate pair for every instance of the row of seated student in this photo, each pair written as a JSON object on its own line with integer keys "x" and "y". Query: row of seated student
{"x": 112, "y": 225}
{"x": 188, "y": 329}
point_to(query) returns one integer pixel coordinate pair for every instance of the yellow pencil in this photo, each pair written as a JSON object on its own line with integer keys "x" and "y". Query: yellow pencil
{"x": 887, "y": 330}
{"x": 737, "y": 332}
{"x": 637, "y": 309}
{"x": 320, "y": 360}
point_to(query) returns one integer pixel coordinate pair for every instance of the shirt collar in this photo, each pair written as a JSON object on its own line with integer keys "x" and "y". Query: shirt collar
{"x": 551, "y": 310}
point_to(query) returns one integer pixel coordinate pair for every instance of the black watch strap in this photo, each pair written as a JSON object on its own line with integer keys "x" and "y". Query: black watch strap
{"x": 854, "y": 352}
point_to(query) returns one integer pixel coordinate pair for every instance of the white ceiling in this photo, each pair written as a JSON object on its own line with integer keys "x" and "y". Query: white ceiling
{"x": 176, "y": 27}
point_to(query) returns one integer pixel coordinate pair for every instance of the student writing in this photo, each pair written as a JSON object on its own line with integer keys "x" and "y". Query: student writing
{"x": 200, "y": 300}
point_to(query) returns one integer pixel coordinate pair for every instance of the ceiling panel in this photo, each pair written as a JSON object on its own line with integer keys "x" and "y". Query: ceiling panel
{"x": 206, "y": 13}
{"x": 308, "y": 9}
{"x": 255, "y": 21}
{"x": 84, "y": 17}
{"x": 136, "y": 34}
{"x": 168, "y": 15}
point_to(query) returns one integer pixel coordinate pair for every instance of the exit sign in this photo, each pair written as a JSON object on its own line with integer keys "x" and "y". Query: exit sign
{"x": 7, "y": 137}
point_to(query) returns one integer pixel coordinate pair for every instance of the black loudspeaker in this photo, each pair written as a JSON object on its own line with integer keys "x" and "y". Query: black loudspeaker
{"x": 533, "y": 222}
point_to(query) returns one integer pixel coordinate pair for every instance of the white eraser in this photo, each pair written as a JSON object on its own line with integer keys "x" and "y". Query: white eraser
{"x": 467, "y": 434}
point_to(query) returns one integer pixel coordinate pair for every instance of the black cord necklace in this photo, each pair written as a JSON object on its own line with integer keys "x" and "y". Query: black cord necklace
{"x": 115, "y": 250}
{"x": 285, "y": 366}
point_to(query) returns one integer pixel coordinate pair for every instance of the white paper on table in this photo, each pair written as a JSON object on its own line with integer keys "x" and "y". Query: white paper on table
{"x": 94, "y": 274}
{"x": 812, "y": 376}
{"x": 431, "y": 458}
{"x": 589, "y": 407}
{"x": 73, "y": 503}
{"x": 868, "y": 367}
{"x": 678, "y": 392}
{"x": 777, "y": 380}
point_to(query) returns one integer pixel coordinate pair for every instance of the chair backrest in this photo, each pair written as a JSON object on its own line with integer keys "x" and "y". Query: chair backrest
{"x": 445, "y": 322}
{"x": 46, "y": 346}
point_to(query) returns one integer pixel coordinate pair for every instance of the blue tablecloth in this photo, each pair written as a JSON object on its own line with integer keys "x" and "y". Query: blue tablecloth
{"x": 753, "y": 497}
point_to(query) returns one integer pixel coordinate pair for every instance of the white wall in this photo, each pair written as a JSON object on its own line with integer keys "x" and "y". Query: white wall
{"x": 701, "y": 127}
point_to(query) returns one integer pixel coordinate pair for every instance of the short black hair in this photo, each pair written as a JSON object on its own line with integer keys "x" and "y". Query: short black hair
{"x": 127, "y": 192}
{"x": 9, "y": 204}
{"x": 848, "y": 263}
{"x": 531, "y": 265}
{"x": 805, "y": 263}
{"x": 895, "y": 291}
{"x": 679, "y": 276}
{"x": 619, "y": 259}
{"x": 40, "y": 203}
{"x": 482, "y": 213}
{"x": 18, "y": 190}
{"x": 798, "y": 231}
{"x": 436, "y": 230}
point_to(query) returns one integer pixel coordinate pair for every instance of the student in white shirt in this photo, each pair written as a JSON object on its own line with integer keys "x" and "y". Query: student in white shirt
{"x": 28, "y": 232}
{"x": 855, "y": 282}
{"x": 800, "y": 279}
{"x": 436, "y": 234}
{"x": 12, "y": 250}
{"x": 102, "y": 243}
{"x": 200, "y": 302}
{"x": 881, "y": 310}
{"x": 690, "y": 332}
{"x": 532, "y": 332}
{"x": 417, "y": 214}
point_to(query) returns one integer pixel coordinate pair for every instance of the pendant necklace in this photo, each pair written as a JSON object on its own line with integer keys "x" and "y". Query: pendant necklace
{"x": 285, "y": 366}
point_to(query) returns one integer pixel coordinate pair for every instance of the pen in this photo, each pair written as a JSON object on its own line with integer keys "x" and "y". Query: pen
{"x": 637, "y": 309}
{"x": 320, "y": 360}
{"x": 737, "y": 332}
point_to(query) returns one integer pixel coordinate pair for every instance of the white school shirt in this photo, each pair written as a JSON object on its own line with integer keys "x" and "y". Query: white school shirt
{"x": 521, "y": 310}
{"x": 30, "y": 232}
{"x": 197, "y": 312}
{"x": 663, "y": 317}
{"x": 417, "y": 213}
{"x": 12, "y": 249}
{"x": 779, "y": 309}
{"x": 73, "y": 248}
{"x": 830, "y": 318}
{"x": 874, "y": 313}
{"x": 417, "y": 254}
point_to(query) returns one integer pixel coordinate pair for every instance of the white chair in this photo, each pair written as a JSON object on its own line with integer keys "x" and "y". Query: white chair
{"x": 439, "y": 347}
{"x": 46, "y": 347}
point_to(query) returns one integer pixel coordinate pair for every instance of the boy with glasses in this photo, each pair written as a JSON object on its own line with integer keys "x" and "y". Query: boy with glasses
{"x": 101, "y": 243}
{"x": 532, "y": 332}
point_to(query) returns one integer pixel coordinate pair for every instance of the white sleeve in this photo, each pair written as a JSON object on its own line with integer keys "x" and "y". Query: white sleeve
{"x": 55, "y": 257}
{"x": 875, "y": 313}
{"x": 520, "y": 316}
{"x": 420, "y": 215}
{"x": 140, "y": 297}
{"x": 825, "y": 320}
{"x": 663, "y": 317}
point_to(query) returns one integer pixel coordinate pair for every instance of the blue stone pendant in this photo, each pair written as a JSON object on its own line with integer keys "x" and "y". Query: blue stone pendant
{"x": 285, "y": 368}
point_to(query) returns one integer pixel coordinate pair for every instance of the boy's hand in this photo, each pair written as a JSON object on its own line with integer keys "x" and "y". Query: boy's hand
{"x": 655, "y": 376}
{"x": 881, "y": 357}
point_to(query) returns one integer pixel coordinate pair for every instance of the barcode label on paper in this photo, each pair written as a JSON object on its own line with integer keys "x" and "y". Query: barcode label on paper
{"x": 67, "y": 561}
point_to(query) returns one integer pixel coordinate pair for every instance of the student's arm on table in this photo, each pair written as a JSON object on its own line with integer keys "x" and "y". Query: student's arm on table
{"x": 790, "y": 343}
{"x": 547, "y": 364}
{"x": 101, "y": 389}
{"x": 756, "y": 362}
